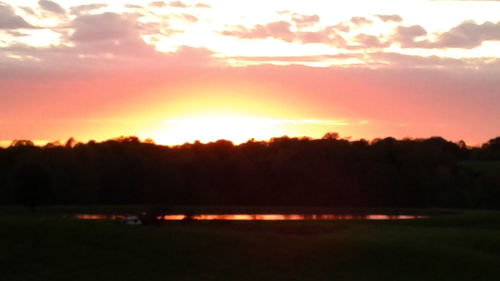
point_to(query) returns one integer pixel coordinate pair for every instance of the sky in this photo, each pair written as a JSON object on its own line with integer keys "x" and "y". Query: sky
{"x": 180, "y": 71}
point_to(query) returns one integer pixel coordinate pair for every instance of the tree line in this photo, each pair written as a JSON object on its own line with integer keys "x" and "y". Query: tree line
{"x": 331, "y": 171}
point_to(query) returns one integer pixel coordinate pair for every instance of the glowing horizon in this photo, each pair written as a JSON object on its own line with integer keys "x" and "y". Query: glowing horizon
{"x": 237, "y": 129}
{"x": 365, "y": 69}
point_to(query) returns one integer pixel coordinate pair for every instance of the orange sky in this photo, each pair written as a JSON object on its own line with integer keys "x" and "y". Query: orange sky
{"x": 180, "y": 71}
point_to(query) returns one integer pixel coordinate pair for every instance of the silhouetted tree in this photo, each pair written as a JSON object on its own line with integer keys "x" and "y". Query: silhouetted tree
{"x": 330, "y": 171}
{"x": 32, "y": 186}
{"x": 19, "y": 143}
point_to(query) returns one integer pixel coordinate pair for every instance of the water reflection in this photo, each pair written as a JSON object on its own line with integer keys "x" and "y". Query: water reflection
{"x": 259, "y": 217}
{"x": 285, "y": 217}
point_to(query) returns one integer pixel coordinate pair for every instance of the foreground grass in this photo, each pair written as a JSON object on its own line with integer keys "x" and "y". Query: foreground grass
{"x": 465, "y": 246}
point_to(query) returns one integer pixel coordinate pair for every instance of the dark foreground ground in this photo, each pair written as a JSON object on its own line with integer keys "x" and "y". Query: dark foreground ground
{"x": 49, "y": 246}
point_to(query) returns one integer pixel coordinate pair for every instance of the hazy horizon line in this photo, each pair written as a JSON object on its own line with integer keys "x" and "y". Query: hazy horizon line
{"x": 43, "y": 143}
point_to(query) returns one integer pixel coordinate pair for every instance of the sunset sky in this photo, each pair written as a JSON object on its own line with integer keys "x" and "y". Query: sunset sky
{"x": 185, "y": 70}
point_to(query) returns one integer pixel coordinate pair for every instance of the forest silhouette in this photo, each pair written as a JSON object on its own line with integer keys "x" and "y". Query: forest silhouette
{"x": 335, "y": 172}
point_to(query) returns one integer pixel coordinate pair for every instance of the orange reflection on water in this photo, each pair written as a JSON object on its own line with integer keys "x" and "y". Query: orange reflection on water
{"x": 246, "y": 217}
{"x": 174, "y": 217}
{"x": 258, "y": 217}
{"x": 281, "y": 217}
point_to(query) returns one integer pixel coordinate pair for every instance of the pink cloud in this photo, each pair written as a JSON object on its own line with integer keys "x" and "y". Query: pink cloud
{"x": 51, "y": 6}
{"x": 158, "y": 4}
{"x": 469, "y": 35}
{"x": 9, "y": 19}
{"x": 190, "y": 18}
{"x": 361, "y": 21}
{"x": 178, "y": 4}
{"x": 281, "y": 30}
{"x": 394, "y": 18}
{"x": 202, "y": 5}
{"x": 371, "y": 41}
{"x": 466, "y": 35}
{"x": 305, "y": 20}
{"x": 406, "y": 35}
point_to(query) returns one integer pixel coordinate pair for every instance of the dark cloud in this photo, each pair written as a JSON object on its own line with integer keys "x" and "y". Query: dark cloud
{"x": 468, "y": 35}
{"x": 371, "y": 41}
{"x": 51, "y": 7}
{"x": 109, "y": 33}
{"x": 77, "y": 10}
{"x": 9, "y": 19}
{"x": 407, "y": 36}
{"x": 106, "y": 26}
{"x": 395, "y": 18}
{"x": 361, "y": 21}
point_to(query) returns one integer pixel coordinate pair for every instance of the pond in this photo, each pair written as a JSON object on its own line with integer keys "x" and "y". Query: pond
{"x": 260, "y": 217}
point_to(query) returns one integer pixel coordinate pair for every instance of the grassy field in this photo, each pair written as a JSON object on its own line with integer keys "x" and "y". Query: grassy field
{"x": 49, "y": 246}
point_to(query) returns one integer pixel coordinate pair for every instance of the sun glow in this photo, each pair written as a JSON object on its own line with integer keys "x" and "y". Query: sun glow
{"x": 237, "y": 129}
